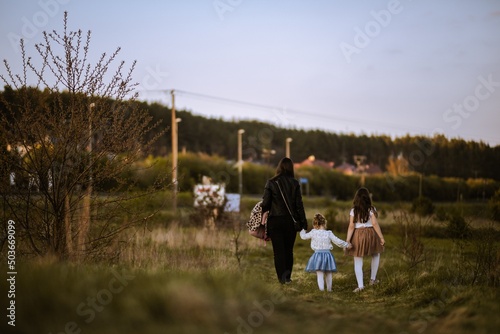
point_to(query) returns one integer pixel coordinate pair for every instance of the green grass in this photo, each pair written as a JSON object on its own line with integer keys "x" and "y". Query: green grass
{"x": 187, "y": 280}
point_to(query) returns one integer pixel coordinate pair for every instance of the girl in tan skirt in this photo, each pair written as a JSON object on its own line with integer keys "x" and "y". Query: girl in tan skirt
{"x": 365, "y": 236}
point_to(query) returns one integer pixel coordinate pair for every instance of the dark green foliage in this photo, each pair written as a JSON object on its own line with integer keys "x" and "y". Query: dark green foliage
{"x": 410, "y": 233}
{"x": 440, "y": 214}
{"x": 422, "y": 206}
{"x": 457, "y": 227}
{"x": 486, "y": 261}
{"x": 464, "y": 159}
{"x": 477, "y": 256}
{"x": 212, "y": 149}
{"x": 331, "y": 218}
{"x": 494, "y": 205}
{"x": 254, "y": 178}
{"x": 324, "y": 182}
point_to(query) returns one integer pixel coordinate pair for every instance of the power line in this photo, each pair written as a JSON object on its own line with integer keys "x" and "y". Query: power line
{"x": 272, "y": 108}
{"x": 275, "y": 109}
{"x": 269, "y": 107}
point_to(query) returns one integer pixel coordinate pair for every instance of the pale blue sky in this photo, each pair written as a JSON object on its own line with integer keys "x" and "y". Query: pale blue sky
{"x": 374, "y": 67}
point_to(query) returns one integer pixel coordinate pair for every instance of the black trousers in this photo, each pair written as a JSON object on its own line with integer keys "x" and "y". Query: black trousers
{"x": 283, "y": 234}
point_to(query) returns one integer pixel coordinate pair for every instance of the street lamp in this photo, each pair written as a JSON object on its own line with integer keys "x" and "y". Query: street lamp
{"x": 175, "y": 151}
{"x": 267, "y": 154}
{"x": 240, "y": 161}
{"x": 287, "y": 147}
{"x": 175, "y": 154}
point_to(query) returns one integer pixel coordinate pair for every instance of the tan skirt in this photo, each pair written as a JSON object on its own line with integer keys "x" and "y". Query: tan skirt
{"x": 365, "y": 241}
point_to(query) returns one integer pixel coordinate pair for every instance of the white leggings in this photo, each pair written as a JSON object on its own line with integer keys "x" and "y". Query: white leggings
{"x": 321, "y": 281}
{"x": 358, "y": 269}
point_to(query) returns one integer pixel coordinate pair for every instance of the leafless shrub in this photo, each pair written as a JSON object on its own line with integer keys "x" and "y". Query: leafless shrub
{"x": 66, "y": 138}
{"x": 477, "y": 257}
{"x": 410, "y": 236}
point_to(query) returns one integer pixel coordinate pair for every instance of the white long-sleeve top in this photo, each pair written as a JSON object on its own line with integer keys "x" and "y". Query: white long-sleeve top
{"x": 322, "y": 239}
{"x": 362, "y": 225}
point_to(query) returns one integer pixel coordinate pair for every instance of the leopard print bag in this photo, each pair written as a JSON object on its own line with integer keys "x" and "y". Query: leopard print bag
{"x": 257, "y": 225}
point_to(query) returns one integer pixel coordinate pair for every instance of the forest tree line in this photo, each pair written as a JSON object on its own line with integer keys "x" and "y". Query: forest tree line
{"x": 436, "y": 155}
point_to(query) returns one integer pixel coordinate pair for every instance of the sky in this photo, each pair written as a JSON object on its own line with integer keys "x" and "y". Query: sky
{"x": 390, "y": 67}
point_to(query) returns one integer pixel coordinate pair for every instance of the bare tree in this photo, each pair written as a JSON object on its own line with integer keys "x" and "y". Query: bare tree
{"x": 74, "y": 132}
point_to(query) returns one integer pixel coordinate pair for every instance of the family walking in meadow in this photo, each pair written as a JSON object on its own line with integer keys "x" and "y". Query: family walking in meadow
{"x": 283, "y": 206}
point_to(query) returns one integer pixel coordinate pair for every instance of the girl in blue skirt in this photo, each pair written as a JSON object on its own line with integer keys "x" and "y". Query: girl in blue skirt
{"x": 322, "y": 261}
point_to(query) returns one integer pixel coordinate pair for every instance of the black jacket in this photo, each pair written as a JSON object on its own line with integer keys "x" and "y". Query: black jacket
{"x": 272, "y": 200}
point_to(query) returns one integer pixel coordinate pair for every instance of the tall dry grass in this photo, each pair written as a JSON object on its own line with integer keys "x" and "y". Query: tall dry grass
{"x": 187, "y": 248}
{"x": 191, "y": 280}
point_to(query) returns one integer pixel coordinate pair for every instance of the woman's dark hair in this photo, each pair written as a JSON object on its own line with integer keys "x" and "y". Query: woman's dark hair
{"x": 362, "y": 204}
{"x": 285, "y": 167}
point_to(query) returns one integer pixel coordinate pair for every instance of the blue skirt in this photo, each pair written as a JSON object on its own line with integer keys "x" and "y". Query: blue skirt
{"x": 321, "y": 260}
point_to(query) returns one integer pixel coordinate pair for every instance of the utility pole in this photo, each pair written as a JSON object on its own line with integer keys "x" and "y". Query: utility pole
{"x": 240, "y": 161}
{"x": 174, "y": 154}
{"x": 287, "y": 147}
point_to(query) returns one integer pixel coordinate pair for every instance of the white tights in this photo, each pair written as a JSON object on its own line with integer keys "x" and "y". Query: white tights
{"x": 358, "y": 269}
{"x": 321, "y": 280}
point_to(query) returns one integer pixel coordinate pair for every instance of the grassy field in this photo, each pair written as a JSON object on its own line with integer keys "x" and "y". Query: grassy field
{"x": 183, "y": 279}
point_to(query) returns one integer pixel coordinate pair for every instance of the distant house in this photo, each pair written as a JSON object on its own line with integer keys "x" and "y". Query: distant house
{"x": 346, "y": 168}
{"x": 349, "y": 169}
{"x": 312, "y": 161}
{"x": 373, "y": 169}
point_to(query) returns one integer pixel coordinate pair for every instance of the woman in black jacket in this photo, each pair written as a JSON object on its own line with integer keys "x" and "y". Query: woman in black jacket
{"x": 280, "y": 224}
